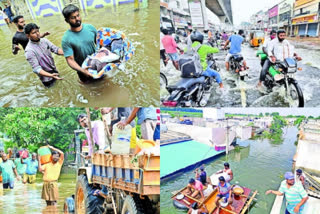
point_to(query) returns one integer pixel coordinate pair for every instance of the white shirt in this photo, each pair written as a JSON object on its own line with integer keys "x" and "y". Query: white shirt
{"x": 266, "y": 42}
{"x": 3, "y": 14}
{"x": 280, "y": 50}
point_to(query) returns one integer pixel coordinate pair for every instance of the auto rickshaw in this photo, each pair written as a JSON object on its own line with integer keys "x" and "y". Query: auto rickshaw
{"x": 256, "y": 38}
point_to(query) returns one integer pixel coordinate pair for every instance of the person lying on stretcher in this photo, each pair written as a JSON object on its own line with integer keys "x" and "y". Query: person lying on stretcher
{"x": 101, "y": 59}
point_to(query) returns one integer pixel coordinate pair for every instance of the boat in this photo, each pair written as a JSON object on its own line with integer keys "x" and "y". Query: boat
{"x": 240, "y": 204}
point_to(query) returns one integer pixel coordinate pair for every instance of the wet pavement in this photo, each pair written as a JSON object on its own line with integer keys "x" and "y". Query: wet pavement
{"x": 245, "y": 94}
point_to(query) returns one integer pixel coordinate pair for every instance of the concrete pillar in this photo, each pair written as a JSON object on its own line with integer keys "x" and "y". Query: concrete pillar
{"x": 204, "y": 14}
{"x": 306, "y": 32}
{"x": 317, "y": 34}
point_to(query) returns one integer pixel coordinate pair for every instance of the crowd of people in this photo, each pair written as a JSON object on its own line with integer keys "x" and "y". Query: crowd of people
{"x": 78, "y": 42}
{"x": 293, "y": 188}
{"x": 25, "y": 168}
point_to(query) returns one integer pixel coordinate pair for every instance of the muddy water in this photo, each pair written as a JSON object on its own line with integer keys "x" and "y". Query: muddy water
{"x": 26, "y": 198}
{"x": 244, "y": 93}
{"x": 260, "y": 166}
{"x": 137, "y": 85}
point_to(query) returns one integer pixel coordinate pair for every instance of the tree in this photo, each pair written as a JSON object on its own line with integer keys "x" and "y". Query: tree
{"x": 34, "y": 127}
{"x": 260, "y": 115}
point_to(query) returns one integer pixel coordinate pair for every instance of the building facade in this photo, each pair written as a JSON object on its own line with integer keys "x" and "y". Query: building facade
{"x": 285, "y": 15}
{"x": 273, "y": 17}
{"x": 305, "y": 20}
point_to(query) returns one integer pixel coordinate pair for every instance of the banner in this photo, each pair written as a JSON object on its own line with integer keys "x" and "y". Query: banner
{"x": 196, "y": 13}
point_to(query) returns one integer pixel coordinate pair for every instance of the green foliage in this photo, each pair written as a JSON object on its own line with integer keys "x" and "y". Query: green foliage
{"x": 298, "y": 121}
{"x": 34, "y": 127}
{"x": 250, "y": 124}
{"x": 275, "y": 132}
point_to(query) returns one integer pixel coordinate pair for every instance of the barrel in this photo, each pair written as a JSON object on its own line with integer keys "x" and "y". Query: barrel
{"x": 45, "y": 154}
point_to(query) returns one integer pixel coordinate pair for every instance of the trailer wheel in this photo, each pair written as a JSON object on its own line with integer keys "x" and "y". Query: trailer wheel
{"x": 131, "y": 206}
{"x": 86, "y": 202}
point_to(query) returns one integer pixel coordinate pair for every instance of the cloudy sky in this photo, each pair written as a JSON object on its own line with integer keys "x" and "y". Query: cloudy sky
{"x": 243, "y": 9}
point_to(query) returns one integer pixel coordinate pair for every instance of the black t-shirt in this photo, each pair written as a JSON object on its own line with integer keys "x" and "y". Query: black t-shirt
{"x": 20, "y": 38}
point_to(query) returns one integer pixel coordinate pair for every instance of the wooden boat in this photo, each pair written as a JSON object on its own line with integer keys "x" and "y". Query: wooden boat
{"x": 240, "y": 203}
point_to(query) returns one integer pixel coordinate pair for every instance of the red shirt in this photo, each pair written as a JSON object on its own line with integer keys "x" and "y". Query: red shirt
{"x": 169, "y": 44}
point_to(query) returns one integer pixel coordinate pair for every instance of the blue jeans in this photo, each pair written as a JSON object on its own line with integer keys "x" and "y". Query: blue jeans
{"x": 173, "y": 56}
{"x": 7, "y": 185}
{"x": 212, "y": 73}
{"x": 156, "y": 135}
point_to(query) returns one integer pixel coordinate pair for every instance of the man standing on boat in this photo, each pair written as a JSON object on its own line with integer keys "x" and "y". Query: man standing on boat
{"x": 294, "y": 193}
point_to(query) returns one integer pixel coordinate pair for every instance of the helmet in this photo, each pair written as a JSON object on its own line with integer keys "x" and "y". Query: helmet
{"x": 196, "y": 36}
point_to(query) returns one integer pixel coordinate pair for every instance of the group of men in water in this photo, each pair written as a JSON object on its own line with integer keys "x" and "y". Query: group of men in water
{"x": 77, "y": 43}
{"x": 26, "y": 168}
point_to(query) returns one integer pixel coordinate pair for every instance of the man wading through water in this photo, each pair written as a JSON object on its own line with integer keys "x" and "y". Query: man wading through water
{"x": 51, "y": 173}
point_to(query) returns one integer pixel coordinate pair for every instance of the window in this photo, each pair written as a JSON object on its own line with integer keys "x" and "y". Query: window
{"x": 178, "y": 4}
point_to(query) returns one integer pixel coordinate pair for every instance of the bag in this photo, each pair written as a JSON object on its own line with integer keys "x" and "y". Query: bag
{"x": 189, "y": 63}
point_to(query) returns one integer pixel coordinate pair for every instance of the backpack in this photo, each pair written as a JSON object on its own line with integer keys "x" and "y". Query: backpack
{"x": 189, "y": 63}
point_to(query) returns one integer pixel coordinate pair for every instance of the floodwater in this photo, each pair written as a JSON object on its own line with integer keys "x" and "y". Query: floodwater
{"x": 26, "y": 198}
{"x": 260, "y": 166}
{"x": 245, "y": 94}
{"x": 137, "y": 85}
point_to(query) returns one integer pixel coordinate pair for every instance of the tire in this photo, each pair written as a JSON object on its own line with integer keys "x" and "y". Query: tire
{"x": 180, "y": 206}
{"x": 163, "y": 80}
{"x": 132, "y": 205}
{"x": 299, "y": 92}
{"x": 85, "y": 201}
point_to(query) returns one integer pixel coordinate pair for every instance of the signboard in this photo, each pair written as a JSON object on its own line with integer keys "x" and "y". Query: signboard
{"x": 302, "y": 2}
{"x": 273, "y": 12}
{"x": 196, "y": 13}
{"x": 305, "y": 19}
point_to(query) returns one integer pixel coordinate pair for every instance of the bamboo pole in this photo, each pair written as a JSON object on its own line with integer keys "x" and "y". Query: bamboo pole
{"x": 249, "y": 202}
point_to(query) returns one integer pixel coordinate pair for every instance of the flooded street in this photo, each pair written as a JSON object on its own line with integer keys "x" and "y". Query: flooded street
{"x": 260, "y": 166}
{"x": 134, "y": 86}
{"x": 27, "y": 198}
{"x": 245, "y": 94}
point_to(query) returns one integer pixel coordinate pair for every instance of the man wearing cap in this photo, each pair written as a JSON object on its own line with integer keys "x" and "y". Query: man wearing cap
{"x": 295, "y": 194}
{"x": 195, "y": 188}
{"x": 202, "y": 177}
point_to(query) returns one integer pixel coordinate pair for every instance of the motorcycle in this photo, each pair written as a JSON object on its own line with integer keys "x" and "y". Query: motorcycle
{"x": 282, "y": 73}
{"x": 236, "y": 65}
{"x": 163, "y": 80}
{"x": 190, "y": 92}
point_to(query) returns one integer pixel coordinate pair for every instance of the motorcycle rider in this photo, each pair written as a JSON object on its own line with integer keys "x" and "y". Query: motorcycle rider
{"x": 197, "y": 38}
{"x": 280, "y": 48}
{"x": 265, "y": 63}
{"x": 235, "y": 47}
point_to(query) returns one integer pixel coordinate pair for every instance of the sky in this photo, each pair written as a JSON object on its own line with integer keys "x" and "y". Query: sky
{"x": 315, "y": 112}
{"x": 243, "y": 9}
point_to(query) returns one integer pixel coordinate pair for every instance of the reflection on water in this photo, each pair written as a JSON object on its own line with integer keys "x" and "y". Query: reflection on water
{"x": 27, "y": 198}
{"x": 259, "y": 167}
{"x": 137, "y": 85}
